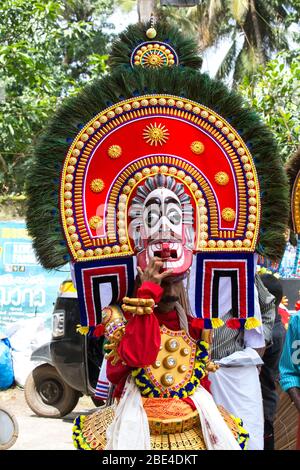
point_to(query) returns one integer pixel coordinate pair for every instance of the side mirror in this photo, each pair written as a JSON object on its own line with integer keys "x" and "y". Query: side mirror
{"x": 9, "y": 429}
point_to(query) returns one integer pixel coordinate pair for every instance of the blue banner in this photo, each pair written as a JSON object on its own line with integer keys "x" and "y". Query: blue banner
{"x": 26, "y": 289}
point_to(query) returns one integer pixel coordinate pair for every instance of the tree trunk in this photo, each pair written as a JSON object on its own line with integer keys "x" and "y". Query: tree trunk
{"x": 145, "y": 9}
{"x": 258, "y": 39}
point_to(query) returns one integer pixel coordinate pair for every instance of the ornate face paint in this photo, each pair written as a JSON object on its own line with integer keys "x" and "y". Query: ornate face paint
{"x": 162, "y": 217}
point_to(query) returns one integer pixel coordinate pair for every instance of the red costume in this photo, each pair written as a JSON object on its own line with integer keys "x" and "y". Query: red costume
{"x": 140, "y": 344}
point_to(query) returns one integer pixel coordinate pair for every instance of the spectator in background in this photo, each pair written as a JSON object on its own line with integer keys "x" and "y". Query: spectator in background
{"x": 236, "y": 384}
{"x": 284, "y": 312}
{"x": 288, "y": 263}
{"x": 269, "y": 374}
{"x": 290, "y": 365}
{"x": 297, "y": 304}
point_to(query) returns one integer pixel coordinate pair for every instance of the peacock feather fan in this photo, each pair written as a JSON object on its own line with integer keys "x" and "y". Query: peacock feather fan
{"x": 135, "y": 35}
{"x": 292, "y": 170}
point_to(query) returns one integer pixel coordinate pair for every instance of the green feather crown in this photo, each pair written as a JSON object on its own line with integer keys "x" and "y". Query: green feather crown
{"x": 136, "y": 35}
{"x": 123, "y": 82}
{"x": 292, "y": 170}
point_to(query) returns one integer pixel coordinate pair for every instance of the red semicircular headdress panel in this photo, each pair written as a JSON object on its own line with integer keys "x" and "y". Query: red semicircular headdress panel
{"x": 136, "y": 139}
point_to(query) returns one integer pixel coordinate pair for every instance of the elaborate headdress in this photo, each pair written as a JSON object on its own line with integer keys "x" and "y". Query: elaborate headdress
{"x": 290, "y": 265}
{"x": 293, "y": 172}
{"x": 156, "y": 122}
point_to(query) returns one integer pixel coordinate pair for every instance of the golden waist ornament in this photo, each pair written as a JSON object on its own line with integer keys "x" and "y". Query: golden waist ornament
{"x": 174, "y": 364}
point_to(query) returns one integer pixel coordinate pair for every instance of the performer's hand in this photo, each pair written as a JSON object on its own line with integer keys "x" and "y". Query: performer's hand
{"x": 152, "y": 272}
{"x": 285, "y": 301}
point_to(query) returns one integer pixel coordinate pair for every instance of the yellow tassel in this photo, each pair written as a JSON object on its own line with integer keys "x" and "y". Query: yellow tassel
{"x": 135, "y": 372}
{"x": 139, "y": 383}
{"x": 252, "y": 323}
{"x": 216, "y": 322}
{"x": 205, "y": 344}
{"x": 83, "y": 330}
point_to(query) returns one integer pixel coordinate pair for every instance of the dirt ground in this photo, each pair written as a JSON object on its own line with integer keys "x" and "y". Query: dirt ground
{"x": 37, "y": 433}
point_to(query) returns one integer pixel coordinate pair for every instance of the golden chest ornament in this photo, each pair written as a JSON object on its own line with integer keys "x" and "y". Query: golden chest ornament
{"x": 174, "y": 364}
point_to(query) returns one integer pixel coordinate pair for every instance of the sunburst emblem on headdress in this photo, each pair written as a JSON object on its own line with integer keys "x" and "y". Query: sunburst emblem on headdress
{"x": 154, "y": 55}
{"x": 156, "y": 134}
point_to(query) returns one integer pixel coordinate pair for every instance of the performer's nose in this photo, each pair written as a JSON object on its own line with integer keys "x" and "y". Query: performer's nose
{"x": 164, "y": 227}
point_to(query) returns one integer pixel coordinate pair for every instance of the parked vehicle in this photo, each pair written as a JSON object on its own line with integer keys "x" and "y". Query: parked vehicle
{"x": 69, "y": 363}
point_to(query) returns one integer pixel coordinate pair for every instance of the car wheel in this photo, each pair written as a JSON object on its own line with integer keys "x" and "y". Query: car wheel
{"x": 48, "y": 395}
{"x": 8, "y": 429}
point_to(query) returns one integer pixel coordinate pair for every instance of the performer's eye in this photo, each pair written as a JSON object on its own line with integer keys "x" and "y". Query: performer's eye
{"x": 152, "y": 218}
{"x": 174, "y": 217}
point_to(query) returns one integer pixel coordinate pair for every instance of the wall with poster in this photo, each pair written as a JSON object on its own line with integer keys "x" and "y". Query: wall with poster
{"x": 26, "y": 289}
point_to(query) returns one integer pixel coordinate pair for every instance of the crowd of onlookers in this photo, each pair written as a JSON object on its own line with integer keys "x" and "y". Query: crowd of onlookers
{"x": 254, "y": 364}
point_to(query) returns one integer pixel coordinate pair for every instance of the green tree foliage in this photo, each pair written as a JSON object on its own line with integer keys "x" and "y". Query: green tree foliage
{"x": 274, "y": 93}
{"x": 261, "y": 28}
{"x": 255, "y": 29}
{"x": 48, "y": 49}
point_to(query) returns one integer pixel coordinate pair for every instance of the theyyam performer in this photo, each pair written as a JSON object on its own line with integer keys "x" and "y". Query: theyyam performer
{"x": 169, "y": 189}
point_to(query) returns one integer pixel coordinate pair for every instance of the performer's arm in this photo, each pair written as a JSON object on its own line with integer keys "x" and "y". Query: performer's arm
{"x": 141, "y": 342}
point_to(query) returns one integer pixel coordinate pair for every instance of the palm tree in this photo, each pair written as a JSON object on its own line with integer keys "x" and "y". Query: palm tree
{"x": 258, "y": 30}
{"x": 206, "y": 21}
{"x": 200, "y": 21}
{"x": 145, "y": 8}
{"x": 254, "y": 28}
